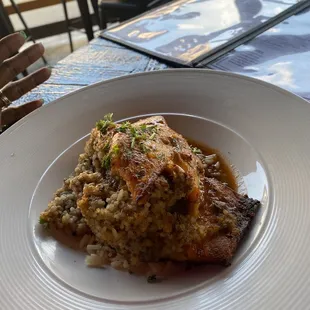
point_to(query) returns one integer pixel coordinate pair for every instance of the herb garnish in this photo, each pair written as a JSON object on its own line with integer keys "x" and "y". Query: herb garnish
{"x": 123, "y": 127}
{"x": 143, "y": 127}
{"x": 138, "y": 133}
{"x": 196, "y": 150}
{"x": 144, "y": 148}
{"x": 115, "y": 149}
{"x": 42, "y": 221}
{"x": 133, "y": 140}
{"x": 106, "y": 162}
{"x": 106, "y": 123}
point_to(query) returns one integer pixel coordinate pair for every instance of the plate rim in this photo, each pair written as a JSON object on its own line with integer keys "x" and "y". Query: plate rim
{"x": 246, "y": 255}
{"x": 272, "y": 88}
{"x": 148, "y": 73}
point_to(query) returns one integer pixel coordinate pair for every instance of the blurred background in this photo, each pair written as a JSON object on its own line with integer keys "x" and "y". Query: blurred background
{"x": 65, "y": 25}
{"x": 39, "y": 14}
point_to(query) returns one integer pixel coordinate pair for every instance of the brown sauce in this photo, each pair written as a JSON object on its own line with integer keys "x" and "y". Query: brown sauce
{"x": 224, "y": 173}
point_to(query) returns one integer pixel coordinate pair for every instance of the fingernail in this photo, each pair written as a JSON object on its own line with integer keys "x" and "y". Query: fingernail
{"x": 41, "y": 102}
{"x": 23, "y": 34}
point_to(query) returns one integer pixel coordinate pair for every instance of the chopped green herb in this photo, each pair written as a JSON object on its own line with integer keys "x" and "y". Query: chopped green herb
{"x": 196, "y": 150}
{"x": 152, "y": 127}
{"x": 143, "y": 127}
{"x": 138, "y": 133}
{"x": 124, "y": 127}
{"x": 143, "y": 136}
{"x": 144, "y": 148}
{"x": 106, "y": 123}
{"x": 133, "y": 140}
{"x": 133, "y": 131}
{"x": 115, "y": 149}
{"x": 106, "y": 162}
{"x": 42, "y": 221}
{"x": 152, "y": 279}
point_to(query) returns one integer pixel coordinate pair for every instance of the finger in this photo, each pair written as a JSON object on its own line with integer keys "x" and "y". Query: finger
{"x": 15, "y": 90}
{"x": 10, "y": 45}
{"x": 11, "y": 67}
{"x": 12, "y": 115}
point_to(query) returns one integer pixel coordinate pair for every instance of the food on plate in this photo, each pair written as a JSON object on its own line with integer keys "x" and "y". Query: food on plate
{"x": 141, "y": 195}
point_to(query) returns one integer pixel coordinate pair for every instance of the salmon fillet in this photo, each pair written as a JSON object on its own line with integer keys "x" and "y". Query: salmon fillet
{"x": 228, "y": 215}
{"x": 140, "y": 152}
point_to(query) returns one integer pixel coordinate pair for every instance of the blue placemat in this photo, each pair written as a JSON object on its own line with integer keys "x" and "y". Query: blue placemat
{"x": 280, "y": 56}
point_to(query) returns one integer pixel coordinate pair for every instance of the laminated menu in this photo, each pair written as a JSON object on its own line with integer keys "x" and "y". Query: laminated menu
{"x": 280, "y": 56}
{"x": 186, "y": 32}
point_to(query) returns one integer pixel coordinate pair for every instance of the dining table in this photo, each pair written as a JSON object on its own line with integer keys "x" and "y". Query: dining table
{"x": 102, "y": 60}
{"x": 98, "y": 61}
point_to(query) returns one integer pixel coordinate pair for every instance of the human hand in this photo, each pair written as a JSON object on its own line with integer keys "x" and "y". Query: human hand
{"x": 13, "y": 63}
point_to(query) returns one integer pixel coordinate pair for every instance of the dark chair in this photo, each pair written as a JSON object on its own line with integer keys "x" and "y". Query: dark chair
{"x": 73, "y": 24}
{"x": 86, "y": 17}
{"x": 5, "y": 24}
{"x": 122, "y": 10}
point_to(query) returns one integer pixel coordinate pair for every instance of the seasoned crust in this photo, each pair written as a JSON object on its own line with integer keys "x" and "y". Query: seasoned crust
{"x": 230, "y": 214}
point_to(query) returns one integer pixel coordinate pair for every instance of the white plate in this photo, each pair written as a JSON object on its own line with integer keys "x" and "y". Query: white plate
{"x": 261, "y": 129}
